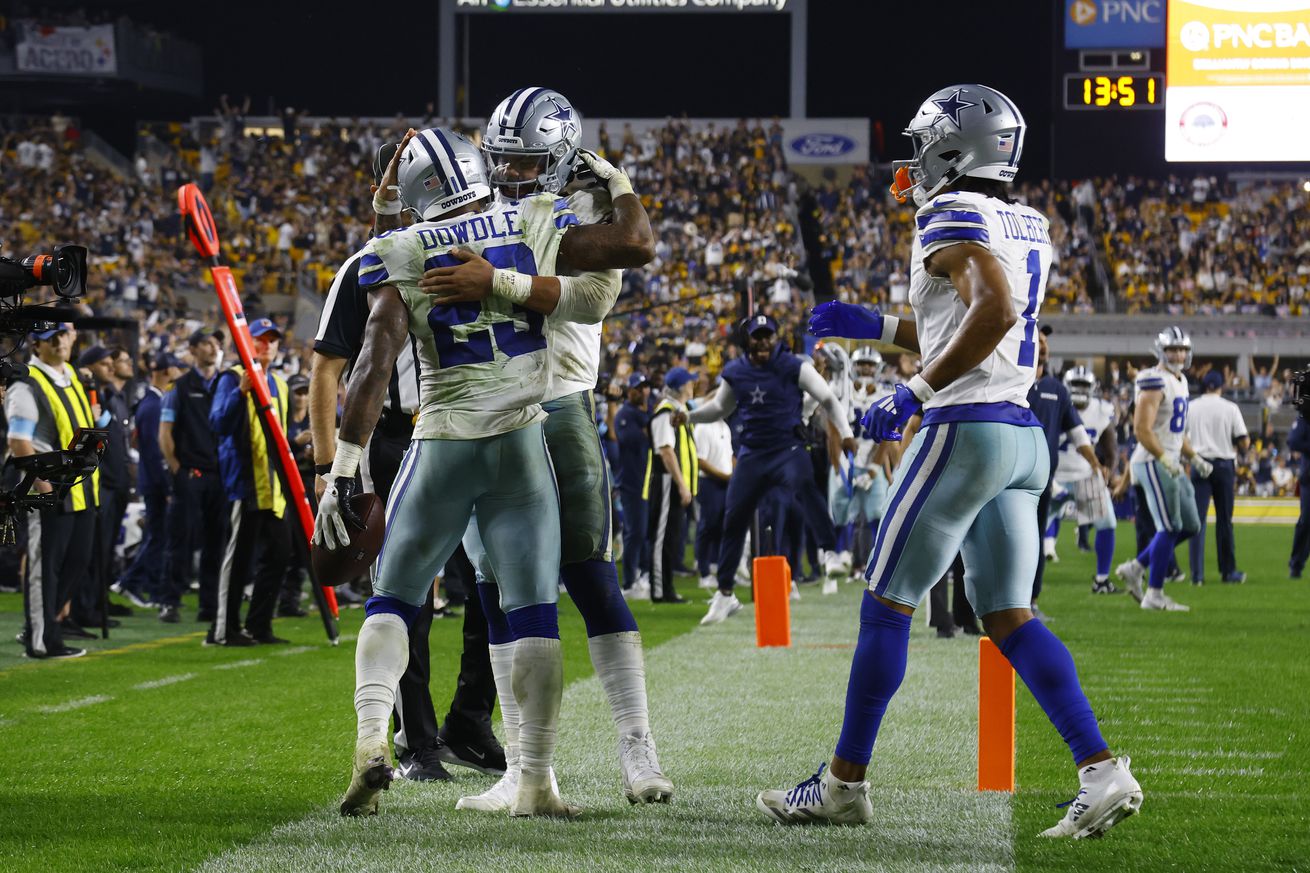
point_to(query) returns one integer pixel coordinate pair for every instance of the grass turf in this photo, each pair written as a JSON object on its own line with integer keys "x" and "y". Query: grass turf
{"x": 153, "y": 758}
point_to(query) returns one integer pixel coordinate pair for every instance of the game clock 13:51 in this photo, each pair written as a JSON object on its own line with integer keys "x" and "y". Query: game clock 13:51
{"x": 1113, "y": 91}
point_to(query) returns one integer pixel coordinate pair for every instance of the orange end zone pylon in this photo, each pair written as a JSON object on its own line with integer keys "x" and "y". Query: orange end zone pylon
{"x": 772, "y": 592}
{"x": 995, "y": 719}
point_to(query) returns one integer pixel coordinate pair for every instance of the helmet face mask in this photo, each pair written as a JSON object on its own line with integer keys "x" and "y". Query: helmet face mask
{"x": 531, "y": 143}
{"x": 1082, "y": 386}
{"x": 868, "y": 367}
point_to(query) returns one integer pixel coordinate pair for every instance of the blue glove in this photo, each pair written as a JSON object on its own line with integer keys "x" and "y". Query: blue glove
{"x": 889, "y": 414}
{"x": 845, "y": 320}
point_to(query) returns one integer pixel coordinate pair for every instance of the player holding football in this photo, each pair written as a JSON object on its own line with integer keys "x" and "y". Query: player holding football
{"x": 478, "y": 443}
{"x": 1160, "y": 422}
{"x": 532, "y": 145}
{"x": 977, "y": 464}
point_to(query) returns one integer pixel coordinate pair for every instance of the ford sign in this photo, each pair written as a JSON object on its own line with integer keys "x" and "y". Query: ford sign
{"x": 822, "y": 145}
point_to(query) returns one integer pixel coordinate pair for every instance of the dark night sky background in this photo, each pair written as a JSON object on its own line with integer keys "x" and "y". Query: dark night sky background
{"x": 866, "y": 58}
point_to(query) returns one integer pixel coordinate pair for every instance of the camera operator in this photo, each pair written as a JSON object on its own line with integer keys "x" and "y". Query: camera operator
{"x": 115, "y": 485}
{"x": 1299, "y": 441}
{"x": 44, "y": 408}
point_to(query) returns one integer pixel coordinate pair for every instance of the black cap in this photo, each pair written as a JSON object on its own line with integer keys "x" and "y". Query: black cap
{"x": 758, "y": 323}
{"x": 93, "y": 355}
{"x": 165, "y": 360}
{"x": 204, "y": 333}
{"x": 383, "y": 157}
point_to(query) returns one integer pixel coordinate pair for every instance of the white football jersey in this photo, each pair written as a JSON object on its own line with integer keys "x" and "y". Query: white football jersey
{"x": 1097, "y": 418}
{"x": 1018, "y": 237}
{"x": 1171, "y": 418}
{"x": 574, "y": 347}
{"x": 485, "y": 367}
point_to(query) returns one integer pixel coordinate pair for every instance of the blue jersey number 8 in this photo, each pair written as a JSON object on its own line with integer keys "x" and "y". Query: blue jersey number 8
{"x": 1179, "y": 419}
{"x": 476, "y": 347}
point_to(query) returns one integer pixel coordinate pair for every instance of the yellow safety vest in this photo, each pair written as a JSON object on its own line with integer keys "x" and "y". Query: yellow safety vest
{"x": 268, "y": 488}
{"x": 71, "y": 409}
{"x": 684, "y": 449}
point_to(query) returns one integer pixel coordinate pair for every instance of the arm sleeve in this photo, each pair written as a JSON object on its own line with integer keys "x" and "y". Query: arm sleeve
{"x": 391, "y": 258}
{"x": 812, "y": 384}
{"x": 1239, "y": 425}
{"x": 588, "y": 297}
{"x": 1078, "y": 437}
{"x": 717, "y": 408}
{"x": 225, "y": 414}
{"x": 661, "y": 432}
{"x": 20, "y": 405}
{"x": 147, "y": 433}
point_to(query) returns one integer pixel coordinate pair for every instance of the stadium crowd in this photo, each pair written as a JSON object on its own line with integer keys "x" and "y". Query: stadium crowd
{"x": 730, "y": 218}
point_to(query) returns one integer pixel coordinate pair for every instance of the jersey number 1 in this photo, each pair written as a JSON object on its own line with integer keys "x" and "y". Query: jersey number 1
{"x": 1027, "y": 347}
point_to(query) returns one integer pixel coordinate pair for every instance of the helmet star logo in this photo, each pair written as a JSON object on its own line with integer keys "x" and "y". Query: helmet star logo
{"x": 952, "y": 106}
{"x": 562, "y": 114}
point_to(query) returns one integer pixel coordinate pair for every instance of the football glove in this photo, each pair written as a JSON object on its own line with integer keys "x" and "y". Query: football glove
{"x": 1171, "y": 466}
{"x": 846, "y": 320}
{"x": 335, "y": 513}
{"x": 1202, "y": 467}
{"x": 889, "y": 414}
{"x": 863, "y": 482}
{"x": 614, "y": 178}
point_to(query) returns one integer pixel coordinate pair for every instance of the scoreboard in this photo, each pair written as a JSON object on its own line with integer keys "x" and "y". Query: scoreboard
{"x": 1113, "y": 89}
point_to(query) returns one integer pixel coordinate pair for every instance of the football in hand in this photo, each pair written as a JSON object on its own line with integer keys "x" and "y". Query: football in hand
{"x": 338, "y": 566}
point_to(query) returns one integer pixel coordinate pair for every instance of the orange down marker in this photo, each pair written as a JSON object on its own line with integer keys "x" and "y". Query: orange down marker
{"x": 772, "y": 592}
{"x": 995, "y": 719}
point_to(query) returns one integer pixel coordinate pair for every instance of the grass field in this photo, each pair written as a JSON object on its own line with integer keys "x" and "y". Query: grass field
{"x": 155, "y": 753}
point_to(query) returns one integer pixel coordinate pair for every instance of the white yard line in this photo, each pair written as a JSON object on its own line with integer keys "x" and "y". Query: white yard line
{"x": 165, "y": 681}
{"x": 730, "y": 720}
{"x": 237, "y": 665}
{"x": 294, "y": 650}
{"x": 70, "y": 705}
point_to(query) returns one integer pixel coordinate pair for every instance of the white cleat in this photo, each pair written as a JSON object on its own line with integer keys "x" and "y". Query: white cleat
{"x": 499, "y": 797}
{"x": 1131, "y": 573}
{"x": 847, "y": 560}
{"x": 709, "y": 583}
{"x": 643, "y": 780}
{"x": 795, "y": 592}
{"x": 1156, "y": 599}
{"x": 829, "y": 586}
{"x": 1108, "y": 795}
{"x": 821, "y": 799}
{"x": 721, "y": 606}
{"x": 1048, "y": 550}
{"x": 541, "y": 799}
{"x": 640, "y": 590}
{"x": 372, "y": 774}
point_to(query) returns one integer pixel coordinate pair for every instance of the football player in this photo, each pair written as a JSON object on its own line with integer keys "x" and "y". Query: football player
{"x": 977, "y": 464}
{"x": 1073, "y": 472}
{"x": 869, "y": 475}
{"x": 532, "y": 146}
{"x": 478, "y": 443}
{"x": 1160, "y": 422}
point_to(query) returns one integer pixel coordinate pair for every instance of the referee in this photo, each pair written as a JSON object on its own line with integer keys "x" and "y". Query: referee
{"x": 1217, "y": 433}
{"x": 467, "y": 738}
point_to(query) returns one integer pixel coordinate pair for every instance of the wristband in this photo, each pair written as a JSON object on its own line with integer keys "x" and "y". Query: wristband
{"x": 386, "y": 207}
{"x": 322, "y": 469}
{"x": 889, "y": 325}
{"x": 920, "y": 388}
{"x": 346, "y": 463}
{"x": 511, "y": 285}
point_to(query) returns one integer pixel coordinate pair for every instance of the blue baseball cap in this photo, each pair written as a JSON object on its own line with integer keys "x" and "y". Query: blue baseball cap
{"x": 61, "y": 327}
{"x": 636, "y": 380}
{"x": 761, "y": 322}
{"x": 1212, "y": 380}
{"x": 677, "y": 377}
{"x": 93, "y": 355}
{"x": 165, "y": 360}
{"x": 261, "y": 326}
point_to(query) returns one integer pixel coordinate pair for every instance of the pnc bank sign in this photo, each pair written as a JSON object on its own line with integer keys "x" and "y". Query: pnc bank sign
{"x": 1114, "y": 24}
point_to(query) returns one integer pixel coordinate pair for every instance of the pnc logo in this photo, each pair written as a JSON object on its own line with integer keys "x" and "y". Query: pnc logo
{"x": 1083, "y": 12}
{"x": 1194, "y": 36}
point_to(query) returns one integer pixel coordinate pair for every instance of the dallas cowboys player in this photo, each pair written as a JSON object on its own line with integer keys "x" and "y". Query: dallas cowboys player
{"x": 976, "y": 466}
{"x": 532, "y": 144}
{"x": 478, "y": 443}
{"x": 1160, "y": 422}
{"x": 1075, "y": 473}
{"x": 862, "y": 504}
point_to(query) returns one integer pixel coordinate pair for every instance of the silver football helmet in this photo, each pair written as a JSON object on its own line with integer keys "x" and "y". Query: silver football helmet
{"x": 441, "y": 170}
{"x": 532, "y": 142}
{"x": 868, "y": 364}
{"x": 1173, "y": 338}
{"x": 961, "y": 130}
{"x": 1082, "y": 385}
